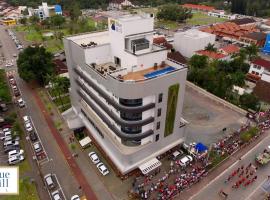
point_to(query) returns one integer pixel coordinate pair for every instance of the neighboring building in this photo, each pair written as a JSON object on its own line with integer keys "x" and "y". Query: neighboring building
{"x": 60, "y": 68}
{"x": 120, "y": 4}
{"x": 196, "y": 7}
{"x": 161, "y": 40}
{"x": 262, "y": 88}
{"x": 229, "y": 50}
{"x": 44, "y": 11}
{"x": 8, "y": 21}
{"x": 221, "y": 14}
{"x": 231, "y": 30}
{"x": 257, "y": 38}
{"x": 100, "y": 19}
{"x": 244, "y": 21}
{"x": 266, "y": 48}
{"x": 177, "y": 57}
{"x": 257, "y": 68}
{"x": 126, "y": 92}
{"x": 213, "y": 55}
{"x": 190, "y": 41}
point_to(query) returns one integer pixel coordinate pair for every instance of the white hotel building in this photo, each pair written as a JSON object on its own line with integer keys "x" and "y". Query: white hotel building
{"x": 126, "y": 92}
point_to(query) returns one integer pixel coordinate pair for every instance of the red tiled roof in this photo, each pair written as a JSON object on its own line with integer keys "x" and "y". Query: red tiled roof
{"x": 60, "y": 67}
{"x": 262, "y": 90}
{"x": 198, "y": 7}
{"x": 162, "y": 42}
{"x": 253, "y": 77}
{"x": 211, "y": 54}
{"x": 262, "y": 62}
{"x": 231, "y": 49}
{"x": 177, "y": 56}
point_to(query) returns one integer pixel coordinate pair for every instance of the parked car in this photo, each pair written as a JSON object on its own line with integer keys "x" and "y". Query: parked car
{"x": 185, "y": 161}
{"x": 15, "y": 159}
{"x": 103, "y": 169}
{"x": 11, "y": 148}
{"x": 11, "y": 143}
{"x": 75, "y": 197}
{"x": 56, "y": 195}
{"x": 26, "y": 119}
{"x": 28, "y": 127}
{"x": 37, "y": 147}
{"x": 3, "y": 107}
{"x": 9, "y": 64}
{"x": 33, "y": 136}
{"x": 94, "y": 157}
{"x": 21, "y": 102}
{"x": 16, "y": 93}
{"x": 15, "y": 152}
{"x": 49, "y": 181}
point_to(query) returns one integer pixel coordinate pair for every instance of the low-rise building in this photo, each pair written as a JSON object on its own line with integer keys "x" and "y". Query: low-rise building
{"x": 257, "y": 68}
{"x": 120, "y": 4}
{"x": 44, "y": 11}
{"x": 212, "y": 55}
{"x": 229, "y": 50}
{"x": 190, "y": 41}
{"x": 257, "y": 38}
{"x": 197, "y": 7}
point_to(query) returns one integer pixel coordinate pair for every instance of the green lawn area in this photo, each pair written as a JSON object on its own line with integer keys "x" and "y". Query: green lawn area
{"x": 247, "y": 135}
{"x": 215, "y": 158}
{"x": 4, "y": 89}
{"x": 166, "y": 24}
{"x": 27, "y": 191}
{"x": 203, "y": 19}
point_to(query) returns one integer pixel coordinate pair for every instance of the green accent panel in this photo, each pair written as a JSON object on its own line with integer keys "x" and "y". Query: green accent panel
{"x": 171, "y": 109}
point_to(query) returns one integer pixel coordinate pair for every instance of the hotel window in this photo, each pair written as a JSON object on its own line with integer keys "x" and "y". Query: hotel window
{"x": 159, "y": 112}
{"x": 157, "y": 137}
{"x": 160, "y": 98}
{"x": 158, "y": 125}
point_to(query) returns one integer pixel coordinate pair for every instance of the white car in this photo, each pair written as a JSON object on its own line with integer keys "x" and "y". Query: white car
{"x": 37, "y": 147}
{"x": 103, "y": 169}
{"x": 15, "y": 159}
{"x": 75, "y": 197}
{"x": 28, "y": 127}
{"x": 49, "y": 181}
{"x": 6, "y": 129}
{"x": 21, "y": 102}
{"x": 26, "y": 119}
{"x": 15, "y": 152}
{"x": 185, "y": 161}
{"x": 94, "y": 157}
{"x": 56, "y": 195}
{"x": 9, "y": 65}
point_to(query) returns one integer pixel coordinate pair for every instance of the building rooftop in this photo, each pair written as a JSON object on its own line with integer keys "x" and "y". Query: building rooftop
{"x": 256, "y": 36}
{"x": 198, "y": 7}
{"x": 162, "y": 42}
{"x": 211, "y": 54}
{"x": 261, "y": 90}
{"x": 243, "y": 21}
{"x": 177, "y": 56}
{"x": 194, "y": 33}
{"x": 84, "y": 40}
{"x": 131, "y": 17}
{"x": 230, "y": 49}
{"x": 262, "y": 62}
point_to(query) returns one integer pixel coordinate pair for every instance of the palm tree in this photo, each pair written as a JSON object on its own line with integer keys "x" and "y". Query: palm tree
{"x": 252, "y": 51}
{"x": 210, "y": 47}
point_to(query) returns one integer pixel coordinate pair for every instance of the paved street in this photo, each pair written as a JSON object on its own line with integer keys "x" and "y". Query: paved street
{"x": 252, "y": 192}
{"x": 56, "y": 163}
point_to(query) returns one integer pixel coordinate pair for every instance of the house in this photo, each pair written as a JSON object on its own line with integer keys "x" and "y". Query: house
{"x": 190, "y": 41}
{"x": 126, "y": 92}
{"x": 177, "y": 57}
{"x": 257, "y": 38}
{"x": 257, "y": 68}
{"x": 221, "y": 14}
{"x": 229, "y": 50}
{"x": 212, "y": 55}
{"x": 161, "y": 41}
{"x": 244, "y": 21}
{"x": 119, "y": 4}
{"x": 44, "y": 11}
{"x": 197, "y": 7}
{"x": 262, "y": 88}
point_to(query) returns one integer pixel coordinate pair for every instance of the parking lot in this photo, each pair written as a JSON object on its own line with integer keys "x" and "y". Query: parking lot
{"x": 207, "y": 118}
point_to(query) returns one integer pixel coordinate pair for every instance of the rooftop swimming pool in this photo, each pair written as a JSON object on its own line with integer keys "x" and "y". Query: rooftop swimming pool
{"x": 159, "y": 72}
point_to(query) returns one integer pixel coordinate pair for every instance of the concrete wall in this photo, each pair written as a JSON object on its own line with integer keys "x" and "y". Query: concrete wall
{"x": 100, "y": 54}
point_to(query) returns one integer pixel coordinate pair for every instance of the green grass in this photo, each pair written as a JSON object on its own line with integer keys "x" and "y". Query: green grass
{"x": 27, "y": 191}
{"x": 203, "y": 19}
{"x": 171, "y": 109}
{"x": 167, "y": 24}
{"x": 247, "y": 135}
{"x": 4, "y": 89}
{"x": 216, "y": 158}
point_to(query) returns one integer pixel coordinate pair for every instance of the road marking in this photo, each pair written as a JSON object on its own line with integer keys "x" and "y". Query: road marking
{"x": 60, "y": 188}
{"x": 256, "y": 189}
{"x": 232, "y": 166}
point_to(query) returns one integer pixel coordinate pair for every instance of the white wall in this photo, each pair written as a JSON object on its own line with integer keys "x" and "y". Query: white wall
{"x": 188, "y": 42}
{"x": 99, "y": 54}
{"x": 266, "y": 77}
{"x": 255, "y": 69}
{"x": 138, "y": 26}
{"x": 148, "y": 60}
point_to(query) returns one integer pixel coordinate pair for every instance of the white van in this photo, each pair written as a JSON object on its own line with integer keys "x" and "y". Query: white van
{"x": 15, "y": 153}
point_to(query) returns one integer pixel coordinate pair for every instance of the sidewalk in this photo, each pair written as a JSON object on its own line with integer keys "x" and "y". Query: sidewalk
{"x": 68, "y": 156}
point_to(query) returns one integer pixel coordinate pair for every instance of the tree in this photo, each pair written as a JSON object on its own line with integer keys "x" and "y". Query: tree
{"x": 238, "y": 6}
{"x": 173, "y": 12}
{"x": 249, "y": 101}
{"x": 210, "y": 47}
{"x": 23, "y": 20}
{"x": 198, "y": 62}
{"x": 57, "y": 20}
{"x": 34, "y": 64}
{"x": 74, "y": 11}
{"x": 252, "y": 51}
{"x": 33, "y": 19}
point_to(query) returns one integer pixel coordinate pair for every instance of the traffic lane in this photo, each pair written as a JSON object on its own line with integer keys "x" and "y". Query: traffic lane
{"x": 9, "y": 47}
{"x": 211, "y": 190}
{"x": 56, "y": 163}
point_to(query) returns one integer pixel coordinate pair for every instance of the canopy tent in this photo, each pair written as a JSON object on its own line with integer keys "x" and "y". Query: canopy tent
{"x": 200, "y": 147}
{"x": 149, "y": 166}
{"x": 85, "y": 142}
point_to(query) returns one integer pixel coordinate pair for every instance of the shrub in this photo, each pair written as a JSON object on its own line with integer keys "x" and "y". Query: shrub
{"x": 247, "y": 135}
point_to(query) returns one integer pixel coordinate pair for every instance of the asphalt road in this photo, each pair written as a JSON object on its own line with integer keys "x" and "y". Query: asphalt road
{"x": 56, "y": 163}
{"x": 252, "y": 192}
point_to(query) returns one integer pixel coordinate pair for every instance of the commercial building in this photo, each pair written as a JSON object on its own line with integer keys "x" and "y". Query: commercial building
{"x": 190, "y": 41}
{"x": 126, "y": 92}
{"x": 44, "y": 11}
